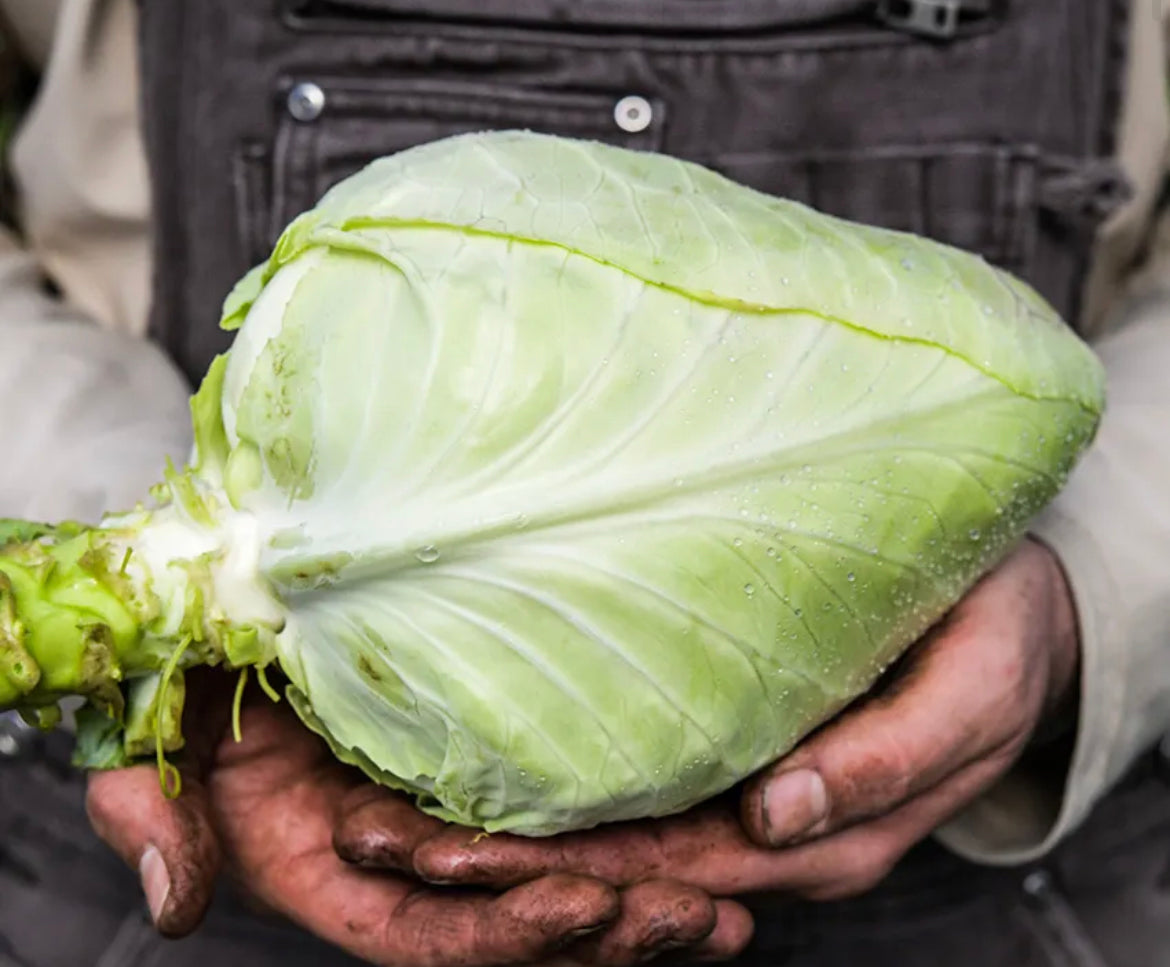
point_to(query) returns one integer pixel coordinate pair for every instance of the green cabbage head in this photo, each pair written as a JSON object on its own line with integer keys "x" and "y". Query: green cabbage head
{"x": 563, "y": 484}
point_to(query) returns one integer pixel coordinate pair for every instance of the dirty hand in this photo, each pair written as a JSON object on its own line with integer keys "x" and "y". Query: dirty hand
{"x": 834, "y": 816}
{"x": 264, "y": 811}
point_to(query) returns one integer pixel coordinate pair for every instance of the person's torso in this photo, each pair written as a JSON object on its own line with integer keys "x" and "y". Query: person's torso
{"x": 987, "y": 124}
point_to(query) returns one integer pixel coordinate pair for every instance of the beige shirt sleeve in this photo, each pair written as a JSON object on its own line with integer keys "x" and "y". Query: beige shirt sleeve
{"x": 1110, "y": 527}
{"x": 80, "y": 167}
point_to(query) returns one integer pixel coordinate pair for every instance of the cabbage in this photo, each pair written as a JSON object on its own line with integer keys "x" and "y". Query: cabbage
{"x": 562, "y": 484}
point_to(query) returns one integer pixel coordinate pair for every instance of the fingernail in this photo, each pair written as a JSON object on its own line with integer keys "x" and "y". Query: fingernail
{"x": 794, "y": 803}
{"x": 156, "y": 881}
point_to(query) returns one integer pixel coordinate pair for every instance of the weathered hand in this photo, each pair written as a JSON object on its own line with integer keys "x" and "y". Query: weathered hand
{"x": 265, "y": 810}
{"x": 833, "y": 817}
{"x": 657, "y": 914}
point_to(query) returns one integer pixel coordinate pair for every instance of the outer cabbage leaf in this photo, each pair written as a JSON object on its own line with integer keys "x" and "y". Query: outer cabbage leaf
{"x": 592, "y": 482}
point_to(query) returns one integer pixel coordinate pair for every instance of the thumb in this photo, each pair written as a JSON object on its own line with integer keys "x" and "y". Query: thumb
{"x": 170, "y": 842}
{"x": 970, "y": 691}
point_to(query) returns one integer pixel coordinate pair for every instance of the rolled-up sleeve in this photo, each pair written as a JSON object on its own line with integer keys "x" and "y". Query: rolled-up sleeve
{"x": 1110, "y": 529}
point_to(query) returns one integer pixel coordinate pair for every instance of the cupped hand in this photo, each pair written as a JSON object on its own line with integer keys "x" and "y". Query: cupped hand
{"x": 833, "y": 817}
{"x": 264, "y": 811}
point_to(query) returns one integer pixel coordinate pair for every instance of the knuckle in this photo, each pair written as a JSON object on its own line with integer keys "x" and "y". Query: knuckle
{"x": 100, "y": 804}
{"x": 592, "y": 900}
{"x": 693, "y": 915}
{"x": 661, "y": 915}
{"x": 865, "y": 869}
{"x": 884, "y": 776}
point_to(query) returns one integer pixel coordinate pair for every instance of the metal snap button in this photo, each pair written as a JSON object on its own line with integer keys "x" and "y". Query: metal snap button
{"x": 1038, "y": 883}
{"x": 306, "y": 101}
{"x": 633, "y": 114}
